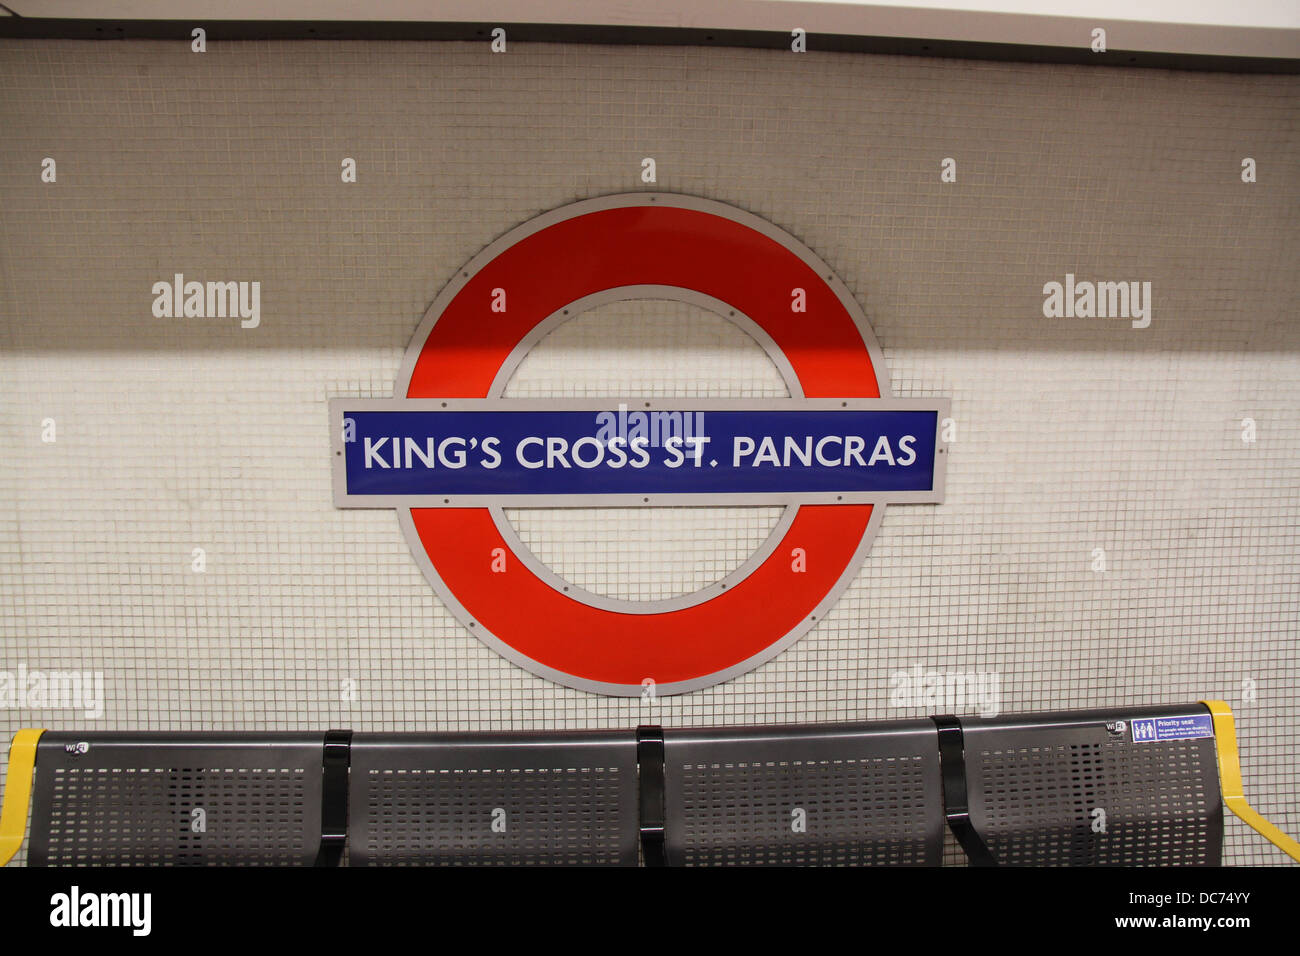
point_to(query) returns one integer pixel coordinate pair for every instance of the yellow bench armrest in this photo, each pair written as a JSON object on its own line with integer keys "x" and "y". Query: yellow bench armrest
{"x": 1225, "y": 742}
{"x": 18, "y": 792}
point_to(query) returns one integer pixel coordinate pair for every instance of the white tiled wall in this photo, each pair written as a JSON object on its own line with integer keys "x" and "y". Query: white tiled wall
{"x": 1073, "y": 434}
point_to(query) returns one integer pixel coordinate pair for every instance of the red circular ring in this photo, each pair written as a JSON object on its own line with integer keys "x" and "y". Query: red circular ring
{"x": 542, "y": 272}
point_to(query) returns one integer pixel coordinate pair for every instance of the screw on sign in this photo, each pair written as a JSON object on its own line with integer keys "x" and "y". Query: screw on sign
{"x": 449, "y": 452}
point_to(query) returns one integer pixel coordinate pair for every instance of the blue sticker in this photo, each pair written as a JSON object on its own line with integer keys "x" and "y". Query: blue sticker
{"x": 1148, "y": 729}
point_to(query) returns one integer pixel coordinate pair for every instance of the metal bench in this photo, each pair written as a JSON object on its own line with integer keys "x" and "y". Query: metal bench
{"x": 1086, "y": 788}
{"x": 1134, "y": 787}
{"x": 159, "y": 799}
{"x": 477, "y": 799}
{"x": 865, "y": 794}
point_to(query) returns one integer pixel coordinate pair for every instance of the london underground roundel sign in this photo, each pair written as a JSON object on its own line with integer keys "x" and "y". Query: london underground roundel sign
{"x": 450, "y": 453}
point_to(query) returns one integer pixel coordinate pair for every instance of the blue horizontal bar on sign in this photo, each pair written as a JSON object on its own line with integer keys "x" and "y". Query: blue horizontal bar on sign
{"x": 401, "y": 453}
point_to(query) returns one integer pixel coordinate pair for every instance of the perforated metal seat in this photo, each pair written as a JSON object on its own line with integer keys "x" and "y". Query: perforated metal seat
{"x": 1094, "y": 788}
{"x": 1113, "y": 787}
{"x": 866, "y": 794}
{"x": 484, "y": 799}
{"x": 141, "y": 799}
